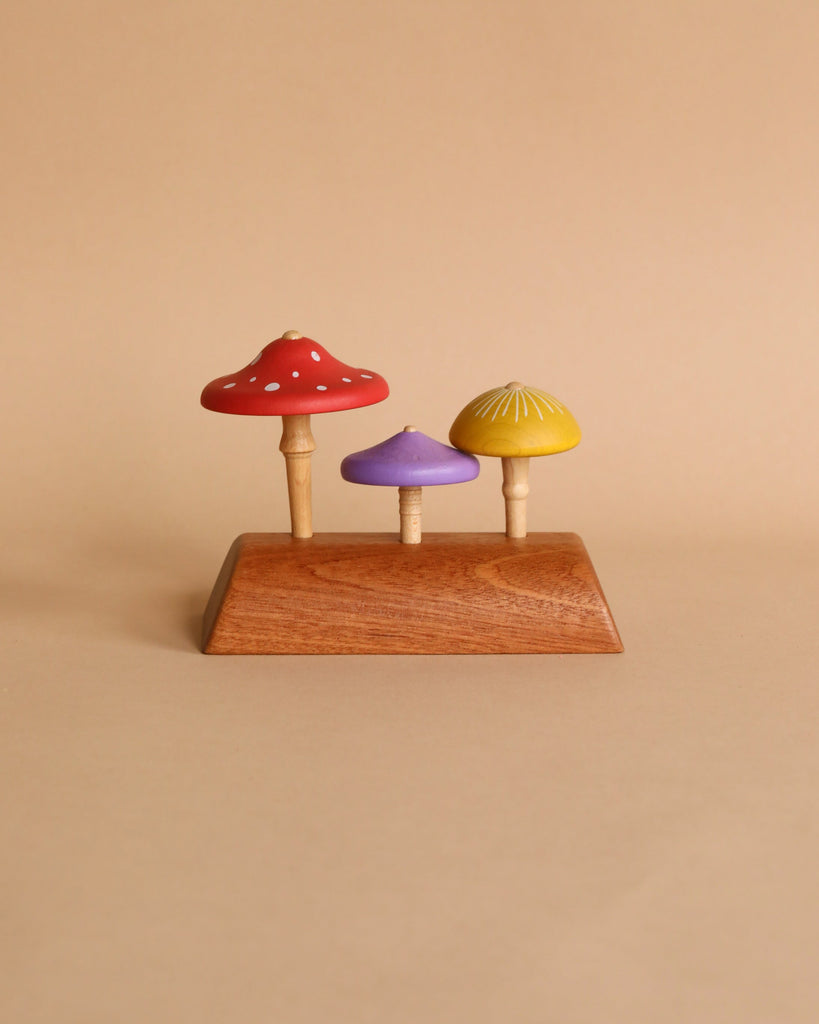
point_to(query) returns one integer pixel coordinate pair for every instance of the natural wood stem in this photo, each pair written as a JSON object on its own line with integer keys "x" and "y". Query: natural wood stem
{"x": 409, "y": 508}
{"x": 515, "y": 492}
{"x": 297, "y": 445}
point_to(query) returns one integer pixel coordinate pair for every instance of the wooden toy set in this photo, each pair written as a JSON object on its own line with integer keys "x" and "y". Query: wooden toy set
{"x": 402, "y": 593}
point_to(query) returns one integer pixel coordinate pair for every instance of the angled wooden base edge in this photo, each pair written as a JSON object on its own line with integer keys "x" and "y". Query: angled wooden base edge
{"x": 366, "y": 593}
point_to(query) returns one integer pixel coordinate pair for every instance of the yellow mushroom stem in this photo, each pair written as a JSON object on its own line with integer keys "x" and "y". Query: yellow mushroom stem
{"x": 409, "y": 509}
{"x": 297, "y": 445}
{"x": 515, "y": 493}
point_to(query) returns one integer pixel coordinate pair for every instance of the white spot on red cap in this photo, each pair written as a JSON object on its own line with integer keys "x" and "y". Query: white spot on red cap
{"x": 346, "y": 380}
{"x": 231, "y": 385}
{"x": 316, "y": 356}
{"x": 273, "y": 386}
{"x": 295, "y": 373}
{"x": 367, "y": 376}
{"x": 252, "y": 379}
{"x": 321, "y": 387}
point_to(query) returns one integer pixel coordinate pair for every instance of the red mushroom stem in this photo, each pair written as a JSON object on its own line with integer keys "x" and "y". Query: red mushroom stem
{"x": 297, "y": 445}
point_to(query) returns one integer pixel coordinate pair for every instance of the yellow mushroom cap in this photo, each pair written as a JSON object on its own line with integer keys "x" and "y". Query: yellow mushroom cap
{"x": 514, "y": 421}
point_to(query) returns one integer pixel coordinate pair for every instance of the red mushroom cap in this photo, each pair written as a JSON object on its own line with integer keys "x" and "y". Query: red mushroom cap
{"x": 294, "y": 375}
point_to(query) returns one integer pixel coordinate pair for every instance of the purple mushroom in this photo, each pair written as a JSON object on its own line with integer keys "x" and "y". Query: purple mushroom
{"x": 409, "y": 461}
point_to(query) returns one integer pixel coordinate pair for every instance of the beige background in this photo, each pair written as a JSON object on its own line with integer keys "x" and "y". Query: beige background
{"x": 615, "y": 201}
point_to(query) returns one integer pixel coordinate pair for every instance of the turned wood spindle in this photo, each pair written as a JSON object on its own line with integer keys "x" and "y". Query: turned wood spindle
{"x": 515, "y": 492}
{"x": 297, "y": 445}
{"x": 409, "y": 509}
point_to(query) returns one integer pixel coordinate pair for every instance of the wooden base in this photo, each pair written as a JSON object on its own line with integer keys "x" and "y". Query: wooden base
{"x": 454, "y": 593}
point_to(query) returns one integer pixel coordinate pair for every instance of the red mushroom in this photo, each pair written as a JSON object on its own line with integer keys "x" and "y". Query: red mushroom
{"x": 294, "y": 377}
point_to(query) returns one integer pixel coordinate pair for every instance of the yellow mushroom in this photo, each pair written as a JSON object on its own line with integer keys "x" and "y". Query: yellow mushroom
{"x": 513, "y": 423}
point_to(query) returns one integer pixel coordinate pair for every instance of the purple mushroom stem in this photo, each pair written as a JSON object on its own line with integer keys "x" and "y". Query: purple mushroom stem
{"x": 409, "y": 507}
{"x": 409, "y": 461}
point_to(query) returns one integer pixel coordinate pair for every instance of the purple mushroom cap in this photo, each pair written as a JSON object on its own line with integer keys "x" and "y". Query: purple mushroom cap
{"x": 410, "y": 459}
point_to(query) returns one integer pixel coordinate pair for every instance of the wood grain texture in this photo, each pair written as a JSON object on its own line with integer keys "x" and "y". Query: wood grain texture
{"x": 349, "y": 593}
